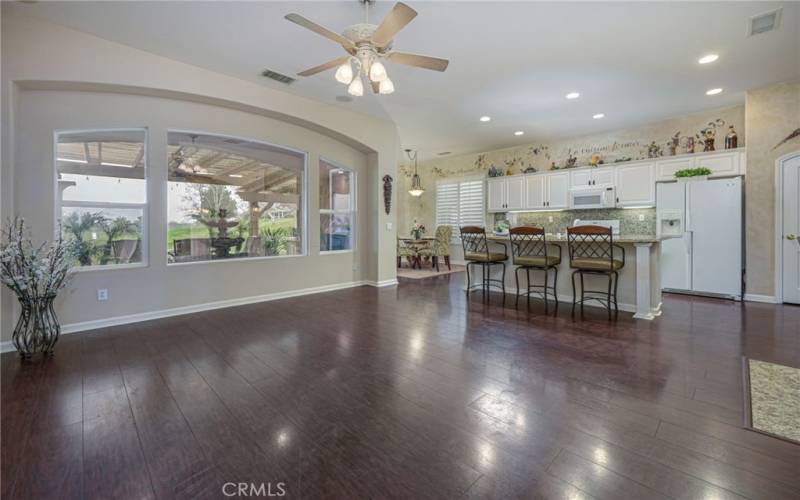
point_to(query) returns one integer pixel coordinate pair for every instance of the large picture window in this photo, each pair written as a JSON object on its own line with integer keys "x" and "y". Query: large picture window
{"x": 233, "y": 198}
{"x": 102, "y": 195}
{"x": 337, "y": 207}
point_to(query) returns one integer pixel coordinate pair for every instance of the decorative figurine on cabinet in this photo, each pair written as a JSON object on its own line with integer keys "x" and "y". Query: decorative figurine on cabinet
{"x": 731, "y": 139}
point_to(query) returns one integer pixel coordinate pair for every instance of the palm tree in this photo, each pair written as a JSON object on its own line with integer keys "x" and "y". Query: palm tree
{"x": 114, "y": 229}
{"x": 75, "y": 225}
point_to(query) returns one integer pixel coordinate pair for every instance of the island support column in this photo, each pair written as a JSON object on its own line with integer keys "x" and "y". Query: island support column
{"x": 648, "y": 288}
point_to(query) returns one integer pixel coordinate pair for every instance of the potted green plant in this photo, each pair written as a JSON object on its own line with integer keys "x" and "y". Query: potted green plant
{"x": 692, "y": 174}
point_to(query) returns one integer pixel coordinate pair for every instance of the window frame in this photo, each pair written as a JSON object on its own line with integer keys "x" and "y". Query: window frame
{"x": 59, "y": 204}
{"x": 458, "y": 181}
{"x": 353, "y": 212}
{"x": 303, "y": 205}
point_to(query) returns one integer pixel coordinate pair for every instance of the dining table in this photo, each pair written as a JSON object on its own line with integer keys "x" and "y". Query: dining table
{"x": 418, "y": 244}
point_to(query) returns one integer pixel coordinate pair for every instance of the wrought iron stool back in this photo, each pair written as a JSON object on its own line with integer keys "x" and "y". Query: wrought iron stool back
{"x": 473, "y": 240}
{"x": 590, "y": 242}
{"x": 527, "y": 241}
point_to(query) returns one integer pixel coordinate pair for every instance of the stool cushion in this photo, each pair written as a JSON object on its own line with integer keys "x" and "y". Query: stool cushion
{"x": 537, "y": 260}
{"x": 482, "y": 257}
{"x": 596, "y": 264}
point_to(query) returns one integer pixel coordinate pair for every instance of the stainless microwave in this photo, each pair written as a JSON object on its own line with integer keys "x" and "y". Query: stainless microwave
{"x": 593, "y": 197}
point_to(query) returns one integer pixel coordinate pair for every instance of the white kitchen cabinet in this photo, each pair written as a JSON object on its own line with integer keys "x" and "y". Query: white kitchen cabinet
{"x": 506, "y": 193}
{"x": 515, "y": 192}
{"x": 665, "y": 169}
{"x": 557, "y": 190}
{"x": 535, "y": 191}
{"x": 496, "y": 194}
{"x": 636, "y": 185}
{"x": 722, "y": 164}
{"x": 597, "y": 176}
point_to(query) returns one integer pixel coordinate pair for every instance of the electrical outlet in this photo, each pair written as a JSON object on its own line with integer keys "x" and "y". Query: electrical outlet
{"x": 641, "y": 217}
{"x": 388, "y": 226}
{"x": 102, "y": 294}
{"x": 550, "y": 218}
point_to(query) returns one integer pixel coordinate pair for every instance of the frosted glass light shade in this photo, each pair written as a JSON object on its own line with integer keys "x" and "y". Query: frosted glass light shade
{"x": 386, "y": 87}
{"x": 377, "y": 72}
{"x": 356, "y": 87}
{"x": 345, "y": 73}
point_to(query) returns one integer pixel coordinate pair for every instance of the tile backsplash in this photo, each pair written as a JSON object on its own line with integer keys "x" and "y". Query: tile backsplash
{"x": 629, "y": 219}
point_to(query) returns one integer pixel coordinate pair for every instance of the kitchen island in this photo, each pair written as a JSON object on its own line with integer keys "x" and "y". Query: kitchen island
{"x": 639, "y": 288}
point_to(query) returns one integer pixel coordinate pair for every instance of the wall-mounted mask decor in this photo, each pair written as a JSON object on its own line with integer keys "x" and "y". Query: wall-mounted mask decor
{"x": 387, "y": 193}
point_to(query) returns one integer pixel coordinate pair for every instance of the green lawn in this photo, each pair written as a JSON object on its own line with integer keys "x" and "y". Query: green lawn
{"x": 178, "y": 231}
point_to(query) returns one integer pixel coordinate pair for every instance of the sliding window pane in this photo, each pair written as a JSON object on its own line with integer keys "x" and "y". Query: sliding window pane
{"x": 232, "y": 198}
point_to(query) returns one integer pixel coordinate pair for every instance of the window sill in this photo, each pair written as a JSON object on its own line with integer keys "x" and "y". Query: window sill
{"x": 335, "y": 252}
{"x": 227, "y": 261}
{"x": 109, "y": 267}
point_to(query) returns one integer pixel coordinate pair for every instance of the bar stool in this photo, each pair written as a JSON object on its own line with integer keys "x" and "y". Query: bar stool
{"x": 529, "y": 252}
{"x": 591, "y": 251}
{"x": 476, "y": 252}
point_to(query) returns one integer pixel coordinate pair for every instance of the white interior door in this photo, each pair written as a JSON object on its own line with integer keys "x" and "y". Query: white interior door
{"x": 791, "y": 230}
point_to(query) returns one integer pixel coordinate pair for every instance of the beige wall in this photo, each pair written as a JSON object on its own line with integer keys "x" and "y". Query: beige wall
{"x": 631, "y": 143}
{"x": 772, "y": 114}
{"x": 38, "y": 56}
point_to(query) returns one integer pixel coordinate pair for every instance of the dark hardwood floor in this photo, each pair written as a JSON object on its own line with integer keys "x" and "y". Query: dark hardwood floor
{"x": 407, "y": 392}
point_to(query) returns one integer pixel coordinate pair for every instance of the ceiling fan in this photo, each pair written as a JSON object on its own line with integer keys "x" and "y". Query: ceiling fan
{"x": 366, "y": 44}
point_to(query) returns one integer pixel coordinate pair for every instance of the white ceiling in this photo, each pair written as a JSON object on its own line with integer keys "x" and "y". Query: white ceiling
{"x": 514, "y": 61}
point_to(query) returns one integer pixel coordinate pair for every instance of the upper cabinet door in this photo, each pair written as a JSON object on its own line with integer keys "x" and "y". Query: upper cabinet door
{"x": 720, "y": 164}
{"x": 496, "y": 193}
{"x": 665, "y": 169}
{"x": 603, "y": 176}
{"x": 515, "y": 192}
{"x": 636, "y": 185}
{"x": 535, "y": 191}
{"x": 558, "y": 190}
{"x": 580, "y": 178}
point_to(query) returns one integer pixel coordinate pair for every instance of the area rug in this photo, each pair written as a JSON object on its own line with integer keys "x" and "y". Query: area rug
{"x": 772, "y": 399}
{"x": 427, "y": 272}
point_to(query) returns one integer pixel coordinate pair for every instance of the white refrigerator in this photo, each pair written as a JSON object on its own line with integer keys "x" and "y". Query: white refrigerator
{"x": 702, "y": 224}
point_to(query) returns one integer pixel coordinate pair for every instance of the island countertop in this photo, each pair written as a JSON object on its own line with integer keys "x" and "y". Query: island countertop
{"x": 562, "y": 238}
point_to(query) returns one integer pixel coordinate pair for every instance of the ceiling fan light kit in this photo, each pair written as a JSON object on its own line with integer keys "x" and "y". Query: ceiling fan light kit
{"x": 366, "y": 44}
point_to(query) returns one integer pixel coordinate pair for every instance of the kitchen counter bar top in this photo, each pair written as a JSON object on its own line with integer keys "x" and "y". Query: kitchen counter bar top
{"x": 562, "y": 238}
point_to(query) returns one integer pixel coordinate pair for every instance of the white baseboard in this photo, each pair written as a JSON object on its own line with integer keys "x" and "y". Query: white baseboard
{"x": 7, "y": 346}
{"x": 767, "y": 299}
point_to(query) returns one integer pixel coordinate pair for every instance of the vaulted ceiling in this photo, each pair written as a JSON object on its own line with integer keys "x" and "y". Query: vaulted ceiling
{"x": 514, "y": 61}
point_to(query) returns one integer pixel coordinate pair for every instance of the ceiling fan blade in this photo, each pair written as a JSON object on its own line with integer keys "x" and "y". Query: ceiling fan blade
{"x": 323, "y": 67}
{"x": 376, "y": 87}
{"x": 400, "y": 15}
{"x": 316, "y": 28}
{"x": 426, "y": 62}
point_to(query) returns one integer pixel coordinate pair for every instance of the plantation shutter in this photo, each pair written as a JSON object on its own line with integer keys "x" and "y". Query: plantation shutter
{"x": 470, "y": 204}
{"x": 447, "y": 205}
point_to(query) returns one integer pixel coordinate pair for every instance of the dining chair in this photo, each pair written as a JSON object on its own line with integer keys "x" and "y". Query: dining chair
{"x": 440, "y": 248}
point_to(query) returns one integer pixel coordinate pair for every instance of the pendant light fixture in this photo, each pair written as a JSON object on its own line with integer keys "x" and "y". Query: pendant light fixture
{"x": 416, "y": 182}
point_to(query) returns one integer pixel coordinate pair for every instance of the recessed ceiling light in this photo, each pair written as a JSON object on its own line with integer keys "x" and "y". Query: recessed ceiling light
{"x": 519, "y": 132}
{"x": 236, "y": 176}
{"x": 709, "y": 58}
{"x": 486, "y": 118}
{"x": 573, "y": 95}
{"x": 598, "y": 116}
{"x": 713, "y": 91}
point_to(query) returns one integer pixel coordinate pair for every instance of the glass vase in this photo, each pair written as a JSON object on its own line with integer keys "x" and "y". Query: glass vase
{"x": 37, "y": 329}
